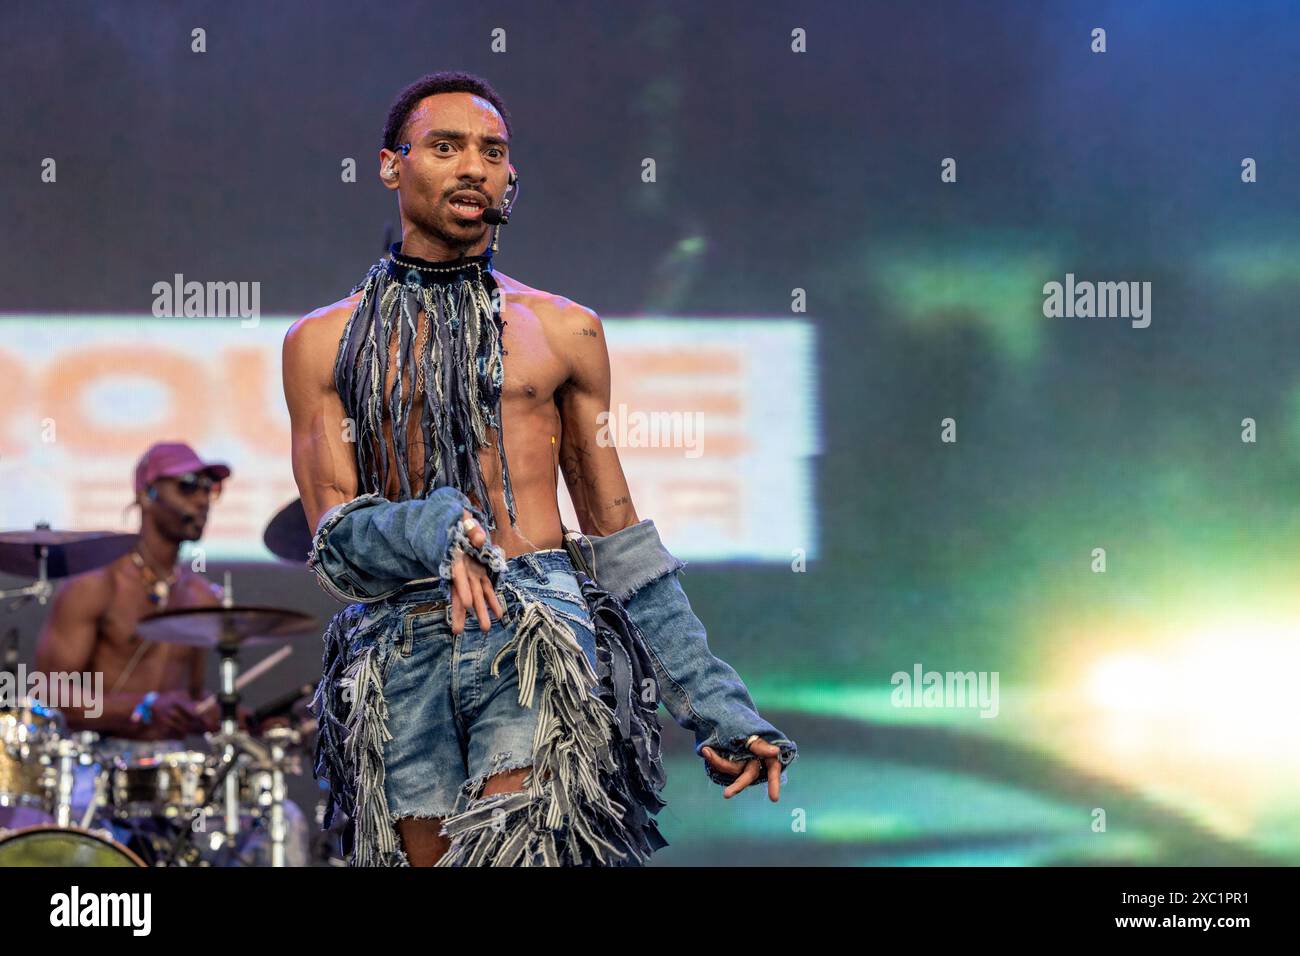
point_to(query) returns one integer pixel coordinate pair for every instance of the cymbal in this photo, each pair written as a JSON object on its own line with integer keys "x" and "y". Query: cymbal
{"x": 287, "y": 536}
{"x": 70, "y": 552}
{"x": 212, "y": 627}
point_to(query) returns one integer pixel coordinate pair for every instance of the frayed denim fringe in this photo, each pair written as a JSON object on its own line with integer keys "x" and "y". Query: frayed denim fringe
{"x": 579, "y": 805}
{"x": 453, "y": 385}
{"x": 596, "y": 772}
{"x": 352, "y": 714}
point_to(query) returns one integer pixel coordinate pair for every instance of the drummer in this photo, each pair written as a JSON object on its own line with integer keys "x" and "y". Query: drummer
{"x": 152, "y": 687}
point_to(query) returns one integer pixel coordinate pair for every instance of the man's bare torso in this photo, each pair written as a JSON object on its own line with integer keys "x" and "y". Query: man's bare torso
{"x": 93, "y": 627}
{"x": 160, "y": 666}
{"x": 536, "y": 346}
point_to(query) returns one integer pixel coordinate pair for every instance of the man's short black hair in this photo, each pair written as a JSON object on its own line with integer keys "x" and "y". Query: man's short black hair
{"x": 448, "y": 81}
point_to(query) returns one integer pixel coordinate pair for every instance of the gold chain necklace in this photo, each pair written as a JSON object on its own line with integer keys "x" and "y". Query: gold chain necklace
{"x": 159, "y": 589}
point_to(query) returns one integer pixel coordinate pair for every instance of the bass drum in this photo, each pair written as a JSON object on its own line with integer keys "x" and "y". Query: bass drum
{"x": 51, "y": 845}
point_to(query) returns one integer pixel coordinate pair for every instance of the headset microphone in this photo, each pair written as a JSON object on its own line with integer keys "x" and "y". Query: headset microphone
{"x": 494, "y": 216}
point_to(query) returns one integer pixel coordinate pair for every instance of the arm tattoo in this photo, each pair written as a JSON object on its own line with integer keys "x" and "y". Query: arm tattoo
{"x": 574, "y": 461}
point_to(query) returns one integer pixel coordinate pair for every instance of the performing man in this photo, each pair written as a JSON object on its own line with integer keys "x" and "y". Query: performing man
{"x": 431, "y": 412}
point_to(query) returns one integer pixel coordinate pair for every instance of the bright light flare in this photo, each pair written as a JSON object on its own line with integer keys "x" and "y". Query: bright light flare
{"x": 1225, "y": 690}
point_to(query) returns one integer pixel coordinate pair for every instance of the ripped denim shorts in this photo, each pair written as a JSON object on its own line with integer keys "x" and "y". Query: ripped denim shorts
{"x": 452, "y": 723}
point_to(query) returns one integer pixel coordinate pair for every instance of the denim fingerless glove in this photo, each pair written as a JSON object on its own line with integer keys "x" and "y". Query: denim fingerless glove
{"x": 703, "y": 693}
{"x": 369, "y": 548}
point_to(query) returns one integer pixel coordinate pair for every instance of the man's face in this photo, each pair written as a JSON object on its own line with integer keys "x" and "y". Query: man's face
{"x": 180, "y": 510}
{"x": 458, "y": 145}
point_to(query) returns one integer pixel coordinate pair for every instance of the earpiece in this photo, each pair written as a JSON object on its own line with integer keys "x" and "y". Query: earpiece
{"x": 152, "y": 493}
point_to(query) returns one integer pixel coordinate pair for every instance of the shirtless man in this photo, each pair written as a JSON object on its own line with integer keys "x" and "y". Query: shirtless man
{"x": 153, "y": 686}
{"x": 556, "y": 384}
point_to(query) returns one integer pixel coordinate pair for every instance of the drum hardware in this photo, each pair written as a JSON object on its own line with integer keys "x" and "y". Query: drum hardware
{"x": 46, "y": 554}
{"x": 289, "y": 537}
{"x": 257, "y": 770}
{"x": 226, "y": 629}
{"x": 39, "y": 759}
{"x": 145, "y": 792}
{"x": 263, "y": 778}
{"x": 69, "y": 753}
{"x": 98, "y": 801}
{"x": 246, "y": 678}
{"x": 217, "y": 784}
{"x": 175, "y": 788}
{"x": 280, "y": 741}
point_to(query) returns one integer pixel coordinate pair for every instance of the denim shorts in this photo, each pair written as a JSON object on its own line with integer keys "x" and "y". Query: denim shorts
{"x": 452, "y": 723}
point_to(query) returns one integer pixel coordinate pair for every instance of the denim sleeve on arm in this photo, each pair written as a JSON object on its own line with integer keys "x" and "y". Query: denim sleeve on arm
{"x": 369, "y": 548}
{"x": 704, "y": 694}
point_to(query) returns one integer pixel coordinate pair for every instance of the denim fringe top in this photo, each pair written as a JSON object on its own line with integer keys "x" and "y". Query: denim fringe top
{"x": 432, "y": 388}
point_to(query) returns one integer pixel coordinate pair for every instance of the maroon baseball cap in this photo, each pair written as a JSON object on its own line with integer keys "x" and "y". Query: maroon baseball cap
{"x": 167, "y": 459}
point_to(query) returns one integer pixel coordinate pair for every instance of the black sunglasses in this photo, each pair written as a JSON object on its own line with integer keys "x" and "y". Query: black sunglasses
{"x": 190, "y": 484}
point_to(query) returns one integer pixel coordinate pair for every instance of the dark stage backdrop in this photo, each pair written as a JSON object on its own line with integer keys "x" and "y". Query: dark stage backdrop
{"x": 1017, "y": 579}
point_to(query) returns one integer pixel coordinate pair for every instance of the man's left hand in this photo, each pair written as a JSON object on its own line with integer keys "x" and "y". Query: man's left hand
{"x": 769, "y": 754}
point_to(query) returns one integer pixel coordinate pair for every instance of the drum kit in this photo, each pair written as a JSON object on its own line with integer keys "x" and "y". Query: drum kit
{"x": 145, "y": 803}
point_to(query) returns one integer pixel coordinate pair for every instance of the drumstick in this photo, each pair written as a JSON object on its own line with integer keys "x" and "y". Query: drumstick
{"x": 252, "y": 674}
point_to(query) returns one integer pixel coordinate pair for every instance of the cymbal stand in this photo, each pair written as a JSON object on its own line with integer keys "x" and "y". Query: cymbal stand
{"x": 229, "y": 702}
{"x": 41, "y": 588}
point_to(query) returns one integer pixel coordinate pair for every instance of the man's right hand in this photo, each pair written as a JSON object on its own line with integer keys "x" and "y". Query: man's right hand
{"x": 472, "y": 585}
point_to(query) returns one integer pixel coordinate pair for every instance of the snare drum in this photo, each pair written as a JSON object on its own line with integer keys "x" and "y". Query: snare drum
{"x": 63, "y": 846}
{"x": 168, "y": 784}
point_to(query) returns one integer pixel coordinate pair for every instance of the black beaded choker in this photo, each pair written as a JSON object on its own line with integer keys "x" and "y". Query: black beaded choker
{"x": 413, "y": 269}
